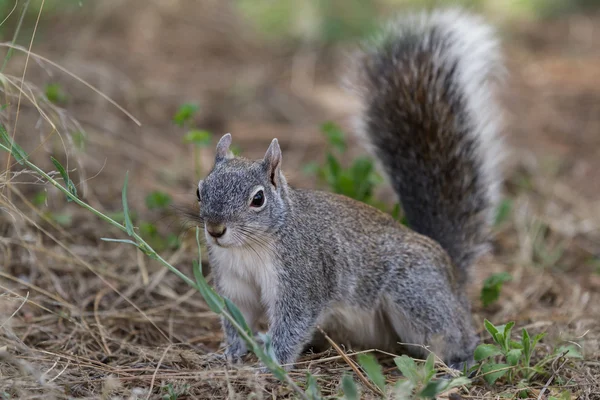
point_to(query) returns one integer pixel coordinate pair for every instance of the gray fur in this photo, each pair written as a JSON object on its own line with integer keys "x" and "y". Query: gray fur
{"x": 309, "y": 257}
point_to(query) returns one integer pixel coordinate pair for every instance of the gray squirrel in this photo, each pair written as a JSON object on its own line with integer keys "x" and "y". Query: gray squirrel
{"x": 306, "y": 258}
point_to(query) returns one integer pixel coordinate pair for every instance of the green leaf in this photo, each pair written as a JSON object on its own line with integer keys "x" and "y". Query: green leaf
{"x": 572, "y": 350}
{"x": 513, "y": 356}
{"x": 312, "y": 391}
{"x": 173, "y": 241}
{"x": 267, "y": 356}
{"x": 55, "y": 94}
{"x": 213, "y": 300}
{"x": 565, "y": 395}
{"x": 198, "y": 137}
{"x": 537, "y": 338}
{"x": 516, "y": 345}
{"x": 503, "y": 211}
{"x": 15, "y": 150}
{"x": 490, "y": 292}
{"x": 349, "y": 388}
{"x": 484, "y": 351}
{"x": 158, "y": 200}
{"x": 396, "y": 211}
{"x": 79, "y": 139}
{"x": 63, "y": 219}
{"x": 408, "y": 367}
{"x": 335, "y": 136}
{"x": 526, "y": 342}
{"x": 369, "y": 363}
{"x": 237, "y": 315}
{"x": 459, "y": 381}
{"x": 236, "y": 150}
{"x": 185, "y": 113}
{"x": 148, "y": 229}
{"x": 429, "y": 367}
{"x": 490, "y": 328}
{"x": 403, "y": 389}
{"x": 120, "y": 241}
{"x": 40, "y": 198}
{"x": 128, "y": 224}
{"x": 507, "y": 331}
{"x": 68, "y": 182}
{"x": 360, "y": 173}
{"x": 433, "y": 388}
{"x": 499, "y": 338}
{"x": 334, "y": 168}
{"x": 492, "y": 372}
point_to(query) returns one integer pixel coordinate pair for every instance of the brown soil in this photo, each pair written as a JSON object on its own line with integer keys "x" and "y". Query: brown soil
{"x": 80, "y": 317}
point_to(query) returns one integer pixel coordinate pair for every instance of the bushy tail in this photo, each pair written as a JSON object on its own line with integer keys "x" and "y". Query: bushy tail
{"x": 429, "y": 115}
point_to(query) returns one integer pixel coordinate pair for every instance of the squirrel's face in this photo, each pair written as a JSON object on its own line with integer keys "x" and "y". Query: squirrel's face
{"x": 241, "y": 201}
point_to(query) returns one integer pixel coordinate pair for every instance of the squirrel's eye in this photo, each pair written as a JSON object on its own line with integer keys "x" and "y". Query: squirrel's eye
{"x": 198, "y": 193}
{"x": 258, "y": 200}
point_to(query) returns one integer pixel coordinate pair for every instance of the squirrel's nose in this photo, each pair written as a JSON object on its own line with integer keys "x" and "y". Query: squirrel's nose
{"x": 216, "y": 231}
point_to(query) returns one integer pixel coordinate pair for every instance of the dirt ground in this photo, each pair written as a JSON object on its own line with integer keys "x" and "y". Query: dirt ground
{"x": 82, "y": 318}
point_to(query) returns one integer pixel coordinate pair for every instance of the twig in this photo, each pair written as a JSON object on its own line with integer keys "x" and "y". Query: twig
{"x": 156, "y": 371}
{"x": 97, "y": 318}
{"x": 352, "y": 364}
{"x": 16, "y": 311}
{"x": 554, "y": 373}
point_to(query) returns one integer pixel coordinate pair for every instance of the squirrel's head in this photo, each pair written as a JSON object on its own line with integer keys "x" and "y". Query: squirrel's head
{"x": 242, "y": 201}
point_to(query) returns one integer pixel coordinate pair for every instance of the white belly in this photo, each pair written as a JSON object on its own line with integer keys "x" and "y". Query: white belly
{"x": 247, "y": 278}
{"x": 360, "y": 328}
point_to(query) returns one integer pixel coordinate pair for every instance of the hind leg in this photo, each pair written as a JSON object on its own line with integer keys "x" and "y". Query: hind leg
{"x": 424, "y": 310}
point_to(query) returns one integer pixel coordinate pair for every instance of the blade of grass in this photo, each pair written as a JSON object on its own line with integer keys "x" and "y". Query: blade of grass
{"x": 128, "y": 224}
{"x": 16, "y": 34}
{"x": 70, "y": 185}
{"x": 17, "y": 151}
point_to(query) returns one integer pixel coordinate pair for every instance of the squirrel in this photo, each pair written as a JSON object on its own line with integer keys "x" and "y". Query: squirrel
{"x": 308, "y": 258}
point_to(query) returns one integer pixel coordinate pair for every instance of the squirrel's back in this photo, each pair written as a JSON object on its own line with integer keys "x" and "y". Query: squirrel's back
{"x": 429, "y": 115}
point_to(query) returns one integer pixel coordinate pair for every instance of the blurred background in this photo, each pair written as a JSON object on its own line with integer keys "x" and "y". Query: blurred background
{"x": 190, "y": 71}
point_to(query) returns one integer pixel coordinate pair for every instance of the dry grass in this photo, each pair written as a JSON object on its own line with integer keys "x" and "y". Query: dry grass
{"x": 87, "y": 319}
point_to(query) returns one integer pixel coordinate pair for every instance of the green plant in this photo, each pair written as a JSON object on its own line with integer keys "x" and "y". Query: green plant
{"x": 357, "y": 181}
{"x": 79, "y": 139}
{"x": 185, "y": 113}
{"x": 158, "y": 200}
{"x": 419, "y": 378}
{"x": 55, "y": 94}
{"x": 172, "y": 392}
{"x": 490, "y": 292}
{"x": 197, "y": 137}
{"x": 513, "y": 360}
{"x": 503, "y": 211}
{"x": 349, "y": 388}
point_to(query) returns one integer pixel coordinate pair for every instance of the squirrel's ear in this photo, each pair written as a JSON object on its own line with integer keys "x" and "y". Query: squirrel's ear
{"x": 223, "y": 152}
{"x": 272, "y": 162}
